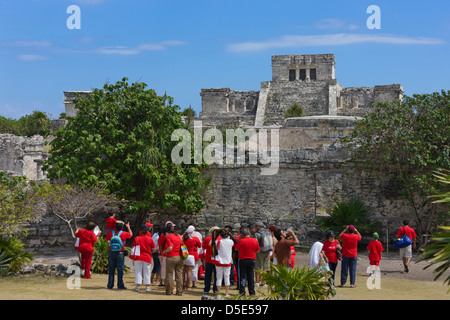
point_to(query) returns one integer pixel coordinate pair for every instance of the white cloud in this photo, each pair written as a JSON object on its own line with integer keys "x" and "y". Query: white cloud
{"x": 124, "y": 50}
{"x": 290, "y": 41}
{"x": 31, "y": 57}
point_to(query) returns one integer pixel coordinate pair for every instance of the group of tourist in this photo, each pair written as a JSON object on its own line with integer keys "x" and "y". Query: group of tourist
{"x": 327, "y": 254}
{"x": 222, "y": 258}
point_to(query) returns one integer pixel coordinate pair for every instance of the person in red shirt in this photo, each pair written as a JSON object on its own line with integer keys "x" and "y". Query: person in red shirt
{"x": 247, "y": 247}
{"x": 174, "y": 261}
{"x": 210, "y": 267}
{"x": 375, "y": 248}
{"x": 330, "y": 247}
{"x": 350, "y": 237}
{"x": 116, "y": 259}
{"x": 141, "y": 253}
{"x": 192, "y": 244}
{"x": 111, "y": 223}
{"x": 406, "y": 253}
{"x": 87, "y": 238}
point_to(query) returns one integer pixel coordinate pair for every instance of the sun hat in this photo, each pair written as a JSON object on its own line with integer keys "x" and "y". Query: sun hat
{"x": 169, "y": 222}
{"x": 190, "y": 229}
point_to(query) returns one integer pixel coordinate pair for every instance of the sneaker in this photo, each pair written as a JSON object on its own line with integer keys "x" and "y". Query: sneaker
{"x": 148, "y": 289}
{"x": 136, "y": 289}
{"x": 406, "y": 269}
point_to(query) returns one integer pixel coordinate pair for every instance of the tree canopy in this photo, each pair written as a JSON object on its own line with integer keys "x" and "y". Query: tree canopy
{"x": 408, "y": 139}
{"x": 120, "y": 141}
{"x": 29, "y": 125}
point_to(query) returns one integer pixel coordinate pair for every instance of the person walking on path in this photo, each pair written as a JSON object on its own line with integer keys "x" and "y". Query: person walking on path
{"x": 406, "y": 253}
{"x": 87, "y": 239}
{"x": 282, "y": 249}
{"x": 350, "y": 237}
{"x": 116, "y": 253}
{"x": 330, "y": 247}
{"x": 141, "y": 253}
{"x": 248, "y": 247}
{"x": 174, "y": 261}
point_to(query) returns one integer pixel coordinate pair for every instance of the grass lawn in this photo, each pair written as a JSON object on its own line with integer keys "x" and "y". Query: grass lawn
{"x": 38, "y": 287}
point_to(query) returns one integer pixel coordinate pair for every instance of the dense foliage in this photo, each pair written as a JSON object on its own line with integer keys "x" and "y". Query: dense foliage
{"x": 29, "y": 125}
{"x": 120, "y": 140}
{"x": 297, "y": 284}
{"x": 294, "y": 111}
{"x": 408, "y": 140}
{"x": 18, "y": 199}
{"x": 352, "y": 212}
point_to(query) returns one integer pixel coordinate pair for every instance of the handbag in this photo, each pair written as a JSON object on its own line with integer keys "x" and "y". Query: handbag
{"x": 135, "y": 252}
{"x": 184, "y": 250}
{"x": 402, "y": 242}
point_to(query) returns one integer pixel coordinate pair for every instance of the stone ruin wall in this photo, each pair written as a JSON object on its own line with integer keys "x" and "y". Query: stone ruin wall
{"x": 309, "y": 177}
{"x": 308, "y": 180}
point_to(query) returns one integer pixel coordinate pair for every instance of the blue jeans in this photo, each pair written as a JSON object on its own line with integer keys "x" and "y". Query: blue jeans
{"x": 115, "y": 261}
{"x": 348, "y": 264}
{"x": 210, "y": 268}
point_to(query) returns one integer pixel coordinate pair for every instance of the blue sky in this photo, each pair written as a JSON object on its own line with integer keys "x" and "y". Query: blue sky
{"x": 180, "y": 47}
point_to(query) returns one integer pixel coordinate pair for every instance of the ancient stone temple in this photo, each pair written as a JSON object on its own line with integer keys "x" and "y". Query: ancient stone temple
{"x": 306, "y": 80}
{"x": 310, "y": 176}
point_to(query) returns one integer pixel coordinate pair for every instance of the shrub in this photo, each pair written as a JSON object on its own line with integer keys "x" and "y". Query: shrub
{"x": 294, "y": 111}
{"x": 14, "y": 254}
{"x": 297, "y": 284}
{"x": 353, "y": 211}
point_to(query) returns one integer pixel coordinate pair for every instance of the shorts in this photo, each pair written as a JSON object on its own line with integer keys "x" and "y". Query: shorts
{"x": 406, "y": 252}
{"x": 262, "y": 261}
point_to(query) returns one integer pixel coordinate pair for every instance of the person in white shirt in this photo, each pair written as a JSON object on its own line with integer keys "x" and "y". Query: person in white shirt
{"x": 224, "y": 259}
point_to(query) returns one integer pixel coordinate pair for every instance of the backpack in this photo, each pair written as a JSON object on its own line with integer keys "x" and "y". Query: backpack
{"x": 265, "y": 240}
{"x": 115, "y": 243}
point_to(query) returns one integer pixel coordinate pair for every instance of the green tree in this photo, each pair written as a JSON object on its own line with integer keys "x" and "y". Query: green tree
{"x": 189, "y": 113}
{"x": 37, "y": 123}
{"x": 18, "y": 200}
{"x": 407, "y": 140}
{"x": 8, "y": 125}
{"x": 120, "y": 140}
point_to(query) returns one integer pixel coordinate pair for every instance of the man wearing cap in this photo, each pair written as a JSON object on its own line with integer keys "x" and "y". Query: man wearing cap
{"x": 350, "y": 237}
{"x": 262, "y": 261}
